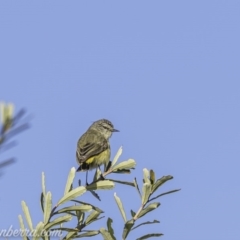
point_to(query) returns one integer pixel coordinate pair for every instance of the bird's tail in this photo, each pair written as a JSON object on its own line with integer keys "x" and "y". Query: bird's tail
{"x": 83, "y": 167}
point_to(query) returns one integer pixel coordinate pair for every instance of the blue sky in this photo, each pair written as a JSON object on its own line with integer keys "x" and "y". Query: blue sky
{"x": 166, "y": 73}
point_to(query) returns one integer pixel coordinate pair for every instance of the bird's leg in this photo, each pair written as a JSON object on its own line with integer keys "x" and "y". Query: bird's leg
{"x": 101, "y": 176}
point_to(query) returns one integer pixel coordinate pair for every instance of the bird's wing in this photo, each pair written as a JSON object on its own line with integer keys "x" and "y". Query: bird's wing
{"x": 92, "y": 146}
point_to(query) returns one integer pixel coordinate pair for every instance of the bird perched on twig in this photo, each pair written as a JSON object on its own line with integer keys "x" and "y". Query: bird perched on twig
{"x": 93, "y": 147}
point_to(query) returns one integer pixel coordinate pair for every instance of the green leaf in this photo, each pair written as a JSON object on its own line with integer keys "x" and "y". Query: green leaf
{"x": 123, "y": 182}
{"x": 2, "y": 112}
{"x": 58, "y": 221}
{"x": 47, "y": 207}
{"x": 162, "y": 194}
{"x": 106, "y": 235}
{"x": 88, "y": 234}
{"x": 93, "y": 216}
{"x": 70, "y": 179}
{"x": 118, "y": 154}
{"x": 127, "y": 171}
{"x": 146, "y": 192}
{"x": 10, "y": 109}
{"x": 136, "y": 186}
{"x": 82, "y": 208}
{"x": 72, "y": 194}
{"x": 125, "y": 165}
{"x": 146, "y": 176}
{"x": 144, "y": 223}
{"x": 150, "y": 235}
{"x": 42, "y": 202}
{"x": 107, "y": 166}
{"x": 38, "y": 231}
{"x": 152, "y": 176}
{"x": 80, "y": 217}
{"x": 22, "y": 227}
{"x": 97, "y": 175}
{"x": 160, "y": 182}
{"x": 27, "y": 215}
{"x": 148, "y": 208}
{"x": 95, "y": 195}
{"x": 103, "y": 184}
{"x": 65, "y": 229}
{"x": 43, "y": 184}
{"x": 120, "y": 206}
{"x": 6, "y": 112}
{"x": 93, "y": 207}
{"x": 70, "y": 235}
{"x": 127, "y": 228}
{"x": 110, "y": 229}
{"x": 133, "y": 213}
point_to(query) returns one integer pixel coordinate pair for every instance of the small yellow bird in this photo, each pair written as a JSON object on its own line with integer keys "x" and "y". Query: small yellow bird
{"x": 93, "y": 147}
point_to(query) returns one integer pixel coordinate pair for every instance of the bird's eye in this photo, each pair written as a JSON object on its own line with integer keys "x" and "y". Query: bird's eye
{"x": 105, "y": 126}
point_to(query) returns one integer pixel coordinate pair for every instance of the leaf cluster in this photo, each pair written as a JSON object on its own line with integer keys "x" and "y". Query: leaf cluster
{"x": 56, "y": 216}
{"x": 150, "y": 186}
{"x": 10, "y": 126}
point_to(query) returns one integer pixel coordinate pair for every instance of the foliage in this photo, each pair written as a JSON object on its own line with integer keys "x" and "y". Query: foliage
{"x": 10, "y": 126}
{"x": 54, "y": 217}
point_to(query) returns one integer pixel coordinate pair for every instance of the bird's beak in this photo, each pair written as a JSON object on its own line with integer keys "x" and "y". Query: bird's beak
{"x": 115, "y": 130}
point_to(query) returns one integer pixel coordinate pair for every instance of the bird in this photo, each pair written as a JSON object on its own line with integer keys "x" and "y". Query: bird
{"x": 93, "y": 147}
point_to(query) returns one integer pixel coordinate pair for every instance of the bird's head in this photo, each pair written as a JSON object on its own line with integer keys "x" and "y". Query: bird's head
{"x": 105, "y": 127}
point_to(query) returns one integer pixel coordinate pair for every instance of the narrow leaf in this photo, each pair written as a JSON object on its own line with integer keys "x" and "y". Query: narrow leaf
{"x": 43, "y": 184}
{"x": 71, "y": 235}
{"x": 88, "y": 234}
{"x": 95, "y": 195}
{"x": 93, "y": 216}
{"x": 70, "y": 179}
{"x": 2, "y": 114}
{"x": 123, "y": 182}
{"x": 124, "y": 171}
{"x": 106, "y": 235}
{"x": 47, "y": 207}
{"x": 118, "y": 154}
{"x": 17, "y": 130}
{"x": 146, "y": 191}
{"x": 58, "y": 221}
{"x": 127, "y": 228}
{"x": 120, "y": 206}
{"x": 125, "y": 165}
{"x": 65, "y": 229}
{"x": 80, "y": 217}
{"x": 27, "y": 215}
{"x": 136, "y": 186}
{"x": 162, "y": 194}
{"x": 22, "y": 227}
{"x": 38, "y": 231}
{"x": 97, "y": 175}
{"x": 160, "y": 182}
{"x": 144, "y": 223}
{"x": 152, "y": 176}
{"x": 110, "y": 229}
{"x": 10, "y": 109}
{"x": 82, "y": 208}
{"x": 19, "y": 115}
{"x": 42, "y": 202}
{"x": 148, "y": 208}
{"x": 103, "y": 184}
{"x": 7, "y": 162}
{"x": 146, "y": 176}
{"x": 72, "y": 194}
{"x": 93, "y": 207}
{"x": 150, "y": 235}
{"x": 133, "y": 213}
